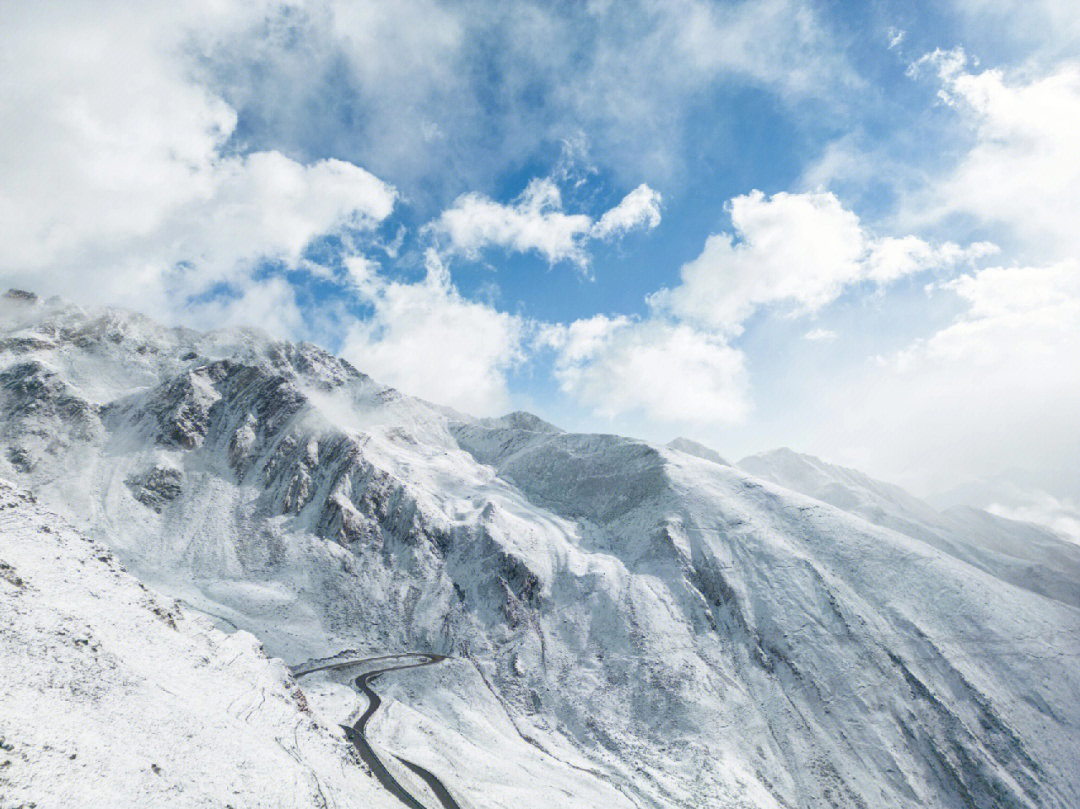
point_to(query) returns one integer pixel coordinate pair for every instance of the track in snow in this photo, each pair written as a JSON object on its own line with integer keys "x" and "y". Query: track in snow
{"x": 355, "y": 734}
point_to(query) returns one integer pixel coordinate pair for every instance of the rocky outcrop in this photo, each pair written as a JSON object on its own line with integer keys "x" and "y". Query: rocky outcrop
{"x": 157, "y": 487}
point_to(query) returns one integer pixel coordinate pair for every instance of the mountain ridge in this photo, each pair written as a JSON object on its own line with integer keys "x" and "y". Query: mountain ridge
{"x": 693, "y": 634}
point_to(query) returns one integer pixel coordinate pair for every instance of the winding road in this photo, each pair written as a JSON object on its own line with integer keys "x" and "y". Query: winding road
{"x": 355, "y": 734}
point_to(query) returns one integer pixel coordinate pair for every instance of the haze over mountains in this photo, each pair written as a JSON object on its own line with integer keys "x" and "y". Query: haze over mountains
{"x": 629, "y": 624}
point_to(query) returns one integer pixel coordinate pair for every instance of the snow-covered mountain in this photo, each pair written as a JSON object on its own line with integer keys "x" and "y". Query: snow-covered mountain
{"x": 1022, "y": 554}
{"x": 630, "y": 624}
{"x": 1016, "y": 496}
{"x": 698, "y": 450}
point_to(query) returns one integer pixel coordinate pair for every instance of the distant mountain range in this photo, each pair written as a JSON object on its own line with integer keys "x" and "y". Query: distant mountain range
{"x": 630, "y": 625}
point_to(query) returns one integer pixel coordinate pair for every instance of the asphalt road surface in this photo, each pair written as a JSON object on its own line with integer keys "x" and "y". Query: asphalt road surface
{"x": 356, "y": 735}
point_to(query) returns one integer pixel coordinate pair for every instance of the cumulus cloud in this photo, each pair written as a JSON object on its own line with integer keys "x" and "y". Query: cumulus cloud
{"x": 117, "y": 185}
{"x": 678, "y": 363}
{"x": 670, "y": 372}
{"x": 1023, "y": 169}
{"x": 263, "y": 206}
{"x": 1022, "y": 318}
{"x": 994, "y": 388}
{"x": 797, "y": 249}
{"x": 890, "y": 258}
{"x": 426, "y": 339}
{"x": 536, "y": 221}
{"x": 639, "y": 208}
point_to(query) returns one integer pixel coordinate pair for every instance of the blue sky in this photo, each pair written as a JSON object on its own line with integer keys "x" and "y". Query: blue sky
{"x": 843, "y": 227}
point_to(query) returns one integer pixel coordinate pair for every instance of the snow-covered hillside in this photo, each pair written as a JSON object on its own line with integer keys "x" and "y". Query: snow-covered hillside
{"x": 112, "y": 696}
{"x": 1023, "y": 554}
{"x": 631, "y": 624}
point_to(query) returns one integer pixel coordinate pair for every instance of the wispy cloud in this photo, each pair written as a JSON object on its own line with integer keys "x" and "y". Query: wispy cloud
{"x": 446, "y": 107}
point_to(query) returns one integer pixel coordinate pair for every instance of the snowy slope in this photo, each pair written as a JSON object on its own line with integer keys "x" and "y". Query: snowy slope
{"x": 111, "y": 696}
{"x": 1016, "y": 496}
{"x": 847, "y": 489}
{"x": 1023, "y": 554}
{"x": 631, "y": 625}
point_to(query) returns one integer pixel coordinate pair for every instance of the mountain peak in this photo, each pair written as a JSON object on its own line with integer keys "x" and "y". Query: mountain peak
{"x": 524, "y": 420}
{"x": 699, "y": 450}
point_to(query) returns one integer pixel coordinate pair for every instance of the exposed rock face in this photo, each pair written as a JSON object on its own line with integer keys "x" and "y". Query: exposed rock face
{"x": 686, "y": 632}
{"x": 20, "y": 295}
{"x": 157, "y": 487}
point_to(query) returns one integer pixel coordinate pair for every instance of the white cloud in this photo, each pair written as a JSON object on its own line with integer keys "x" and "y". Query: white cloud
{"x": 627, "y": 74}
{"x": 997, "y": 387}
{"x": 265, "y": 205}
{"x": 668, "y": 372}
{"x": 996, "y": 292}
{"x": 1020, "y": 320}
{"x": 363, "y": 274}
{"x": 639, "y": 208}
{"x": 889, "y": 258}
{"x": 426, "y": 339}
{"x": 116, "y": 188}
{"x": 102, "y": 136}
{"x": 779, "y": 42}
{"x": 314, "y": 61}
{"x": 647, "y": 68}
{"x": 536, "y": 221}
{"x": 268, "y": 304}
{"x": 1060, "y": 515}
{"x": 1023, "y": 169}
{"x": 678, "y": 365}
{"x": 801, "y": 248}
{"x": 798, "y": 249}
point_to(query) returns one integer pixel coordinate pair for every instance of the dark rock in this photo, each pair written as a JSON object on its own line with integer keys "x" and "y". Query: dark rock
{"x": 156, "y": 488}
{"x": 20, "y": 295}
